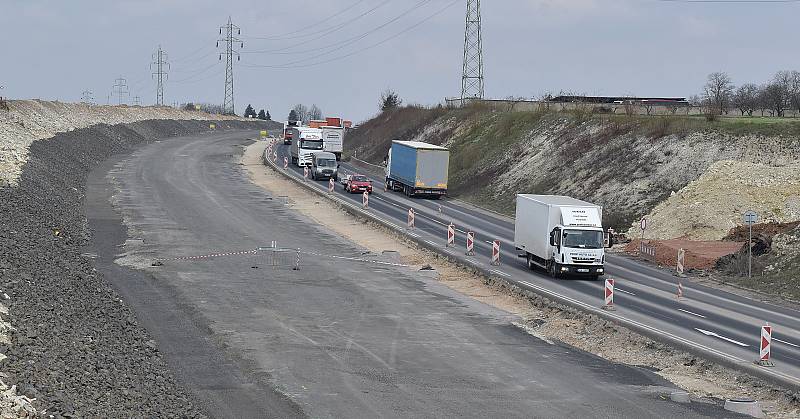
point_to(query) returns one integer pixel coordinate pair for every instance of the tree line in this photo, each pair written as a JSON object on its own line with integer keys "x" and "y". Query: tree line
{"x": 775, "y": 97}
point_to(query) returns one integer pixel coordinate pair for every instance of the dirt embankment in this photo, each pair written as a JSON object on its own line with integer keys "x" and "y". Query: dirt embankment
{"x": 26, "y": 121}
{"x": 75, "y": 346}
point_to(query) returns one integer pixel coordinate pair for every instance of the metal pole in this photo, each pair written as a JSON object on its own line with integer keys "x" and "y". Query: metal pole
{"x": 750, "y": 252}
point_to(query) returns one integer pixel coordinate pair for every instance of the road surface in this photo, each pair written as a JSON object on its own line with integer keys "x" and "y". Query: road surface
{"x": 723, "y": 325}
{"x": 338, "y": 338}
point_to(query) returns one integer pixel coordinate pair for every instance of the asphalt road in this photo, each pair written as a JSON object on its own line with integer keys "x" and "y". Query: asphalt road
{"x": 721, "y": 324}
{"x": 338, "y": 338}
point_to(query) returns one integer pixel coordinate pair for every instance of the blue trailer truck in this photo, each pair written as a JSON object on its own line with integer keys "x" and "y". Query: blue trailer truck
{"x": 417, "y": 169}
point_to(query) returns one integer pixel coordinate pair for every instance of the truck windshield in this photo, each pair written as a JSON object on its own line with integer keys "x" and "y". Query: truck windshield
{"x": 311, "y": 144}
{"x": 583, "y": 239}
{"x": 326, "y": 163}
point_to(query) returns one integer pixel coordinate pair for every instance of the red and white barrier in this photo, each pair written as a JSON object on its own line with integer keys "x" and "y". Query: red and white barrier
{"x": 609, "y": 294}
{"x": 365, "y": 200}
{"x": 275, "y": 156}
{"x": 679, "y": 295}
{"x": 451, "y": 235}
{"x": 681, "y": 259}
{"x": 305, "y": 172}
{"x": 470, "y": 243}
{"x": 496, "y": 253}
{"x": 285, "y": 162}
{"x": 765, "y": 348}
{"x": 411, "y": 218}
{"x": 330, "y": 185}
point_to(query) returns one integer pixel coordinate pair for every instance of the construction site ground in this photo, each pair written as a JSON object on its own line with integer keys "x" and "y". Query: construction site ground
{"x": 705, "y": 381}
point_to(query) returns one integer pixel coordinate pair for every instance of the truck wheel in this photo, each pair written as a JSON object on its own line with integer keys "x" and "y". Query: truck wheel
{"x": 552, "y": 270}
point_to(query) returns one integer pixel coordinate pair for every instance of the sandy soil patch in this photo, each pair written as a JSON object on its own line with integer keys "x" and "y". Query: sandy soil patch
{"x": 700, "y": 254}
{"x": 541, "y": 317}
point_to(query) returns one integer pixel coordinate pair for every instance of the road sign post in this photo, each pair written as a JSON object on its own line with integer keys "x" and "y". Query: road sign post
{"x": 285, "y": 163}
{"x": 411, "y": 215}
{"x": 451, "y": 235}
{"x": 681, "y": 259}
{"x": 330, "y": 185}
{"x": 609, "y": 295}
{"x": 495, "y": 253}
{"x": 365, "y": 200}
{"x": 470, "y": 243}
{"x": 765, "y": 347}
{"x": 750, "y": 218}
{"x": 643, "y": 227}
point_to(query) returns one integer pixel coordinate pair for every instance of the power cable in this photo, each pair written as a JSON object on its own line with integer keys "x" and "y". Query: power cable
{"x": 283, "y": 35}
{"x": 341, "y": 57}
{"x": 323, "y": 33}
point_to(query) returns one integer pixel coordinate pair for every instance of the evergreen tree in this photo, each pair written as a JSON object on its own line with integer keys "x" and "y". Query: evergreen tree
{"x": 249, "y": 112}
{"x": 262, "y": 115}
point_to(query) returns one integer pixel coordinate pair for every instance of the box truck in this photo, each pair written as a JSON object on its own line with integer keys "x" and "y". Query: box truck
{"x": 561, "y": 235}
{"x": 417, "y": 168}
{"x": 305, "y": 142}
{"x": 287, "y": 131}
{"x": 333, "y": 140}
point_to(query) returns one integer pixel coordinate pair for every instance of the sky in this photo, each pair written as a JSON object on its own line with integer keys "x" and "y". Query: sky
{"x": 342, "y": 54}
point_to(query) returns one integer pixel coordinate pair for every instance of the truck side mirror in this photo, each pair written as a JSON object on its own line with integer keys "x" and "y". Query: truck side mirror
{"x": 552, "y": 238}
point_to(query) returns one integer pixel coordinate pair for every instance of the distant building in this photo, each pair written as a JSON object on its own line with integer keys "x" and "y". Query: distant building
{"x": 675, "y": 101}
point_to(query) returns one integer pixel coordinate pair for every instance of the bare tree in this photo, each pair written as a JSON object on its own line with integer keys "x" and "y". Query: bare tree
{"x": 302, "y": 112}
{"x": 314, "y": 112}
{"x": 774, "y": 98}
{"x": 794, "y": 90}
{"x": 745, "y": 98}
{"x": 717, "y": 93}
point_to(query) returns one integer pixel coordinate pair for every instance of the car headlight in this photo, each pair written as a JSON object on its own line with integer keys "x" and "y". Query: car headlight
{"x": 564, "y": 269}
{"x": 599, "y": 269}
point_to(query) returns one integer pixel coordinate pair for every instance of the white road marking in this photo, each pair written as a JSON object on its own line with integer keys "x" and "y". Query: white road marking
{"x": 413, "y": 235}
{"x": 785, "y": 342}
{"x": 693, "y": 314}
{"x": 430, "y": 242}
{"x": 623, "y": 291}
{"x": 716, "y": 335}
{"x": 500, "y": 273}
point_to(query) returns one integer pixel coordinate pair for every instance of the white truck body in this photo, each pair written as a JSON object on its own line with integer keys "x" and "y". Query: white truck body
{"x": 560, "y": 234}
{"x": 333, "y": 140}
{"x": 305, "y": 142}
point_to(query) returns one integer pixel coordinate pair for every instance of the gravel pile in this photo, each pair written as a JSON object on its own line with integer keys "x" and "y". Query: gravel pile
{"x": 26, "y": 121}
{"x": 77, "y": 348}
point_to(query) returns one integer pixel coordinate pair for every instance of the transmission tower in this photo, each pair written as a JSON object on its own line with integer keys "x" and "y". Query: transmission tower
{"x": 120, "y": 89}
{"x": 472, "y": 75}
{"x": 230, "y": 51}
{"x": 87, "y": 97}
{"x": 161, "y": 67}
{"x": 137, "y": 100}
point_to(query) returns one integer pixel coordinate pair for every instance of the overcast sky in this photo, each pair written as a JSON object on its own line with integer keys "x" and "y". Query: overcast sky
{"x": 332, "y": 52}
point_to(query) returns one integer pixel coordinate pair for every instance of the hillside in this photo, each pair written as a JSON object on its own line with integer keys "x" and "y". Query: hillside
{"x": 696, "y": 177}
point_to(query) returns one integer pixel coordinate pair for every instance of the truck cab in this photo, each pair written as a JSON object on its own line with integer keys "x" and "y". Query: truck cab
{"x": 305, "y": 142}
{"x": 577, "y": 251}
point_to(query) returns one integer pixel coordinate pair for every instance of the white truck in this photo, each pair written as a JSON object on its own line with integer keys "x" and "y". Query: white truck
{"x": 305, "y": 142}
{"x": 561, "y": 235}
{"x": 333, "y": 140}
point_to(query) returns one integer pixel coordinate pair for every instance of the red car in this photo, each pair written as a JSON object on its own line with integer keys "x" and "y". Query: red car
{"x": 358, "y": 183}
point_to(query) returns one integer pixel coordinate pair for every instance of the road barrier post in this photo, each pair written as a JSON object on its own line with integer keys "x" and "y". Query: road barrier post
{"x": 679, "y": 295}
{"x": 411, "y": 218}
{"x": 496, "y": 253}
{"x": 609, "y": 294}
{"x": 305, "y": 172}
{"x": 365, "y": 200}
{"x": 330, "y": 185}
{"x": 297, "y": 261}
{"x": 765, "y": 348}
{"x": 275, "y": 156}
{"x": 470, "y": 243}
{"x": 451, "y": 235}
{"x": 285, "y": 163}
{"x": 681, "y": 260}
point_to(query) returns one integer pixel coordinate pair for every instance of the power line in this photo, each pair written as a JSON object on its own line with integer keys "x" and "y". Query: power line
{"x": 281, "y": 37}
{"x": 324, "y": 32}
{"x": 230, "y": 51}
{"x": 162, "y": 66}
{"x": 329, "y": 48}
{"x": 472, "y": 69}
{"x": 360, "y": 50}
{"x": 729, "y": 1}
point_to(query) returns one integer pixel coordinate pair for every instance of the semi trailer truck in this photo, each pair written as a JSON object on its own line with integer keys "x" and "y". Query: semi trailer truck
{"x": 417, "y": 168}
{"x": 305, "y": 142}
{"x": 561, "y": 235}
